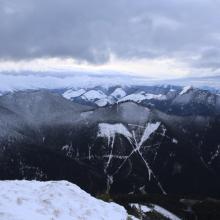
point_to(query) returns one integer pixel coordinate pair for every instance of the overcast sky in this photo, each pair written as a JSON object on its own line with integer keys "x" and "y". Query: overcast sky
{"x": 162, "y": 38}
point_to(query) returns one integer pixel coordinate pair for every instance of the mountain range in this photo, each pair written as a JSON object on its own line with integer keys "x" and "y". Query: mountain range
{"x": 137, "y": 139}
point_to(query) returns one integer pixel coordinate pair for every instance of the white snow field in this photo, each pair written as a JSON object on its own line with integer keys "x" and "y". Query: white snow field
{"x": 53, "y": 200}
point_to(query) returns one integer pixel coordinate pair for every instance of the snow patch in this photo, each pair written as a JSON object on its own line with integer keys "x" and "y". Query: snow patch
{"x": 110, "y": 130}
{"x": 53, "y": 200}
{"x": 185, "y": 90}
{"x": 101, "y": 99}
{"x": 139, "y": 97}
{"x": 118, "y": 93}
{"x": 69, "y": 94}
{"x": 66, "y": 147}
{"x": 215, "y": 155}
{"x": 151, "y": 128}
{"x": 142, "y": 208}
{"x": 68, "y": 150}
{"x": 175, "y": 141}
{"x": 165, "y": 213}
{"x": 156, "y": 208}
{"x": 102, "y": 102}
{"x": 153, "y": 96}
{"x": 93, "y": 95}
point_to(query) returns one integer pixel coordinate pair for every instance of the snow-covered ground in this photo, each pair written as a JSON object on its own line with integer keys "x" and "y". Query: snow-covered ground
{"x": 53, "y": 200}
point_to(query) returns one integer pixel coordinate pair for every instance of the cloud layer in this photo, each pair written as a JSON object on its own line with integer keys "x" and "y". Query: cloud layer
{"x": 93, "y": 31}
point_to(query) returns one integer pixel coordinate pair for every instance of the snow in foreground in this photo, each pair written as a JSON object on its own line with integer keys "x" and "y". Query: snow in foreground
{"x": 25, "y": 200}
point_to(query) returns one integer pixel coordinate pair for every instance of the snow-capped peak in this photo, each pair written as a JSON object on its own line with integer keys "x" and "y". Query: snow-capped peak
{"x": 139, "y": 97}
{"x": 53, "y": 200}
{"x": 118, "y": 93}
{"x": 185, "y": 90}
{"x": 136, "y": 97}
{"x": 92, "y": 95}
{"x": 69, "y": 94}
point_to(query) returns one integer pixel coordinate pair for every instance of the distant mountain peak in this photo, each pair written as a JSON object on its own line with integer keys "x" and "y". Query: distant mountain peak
{"x": 185, "y": 90}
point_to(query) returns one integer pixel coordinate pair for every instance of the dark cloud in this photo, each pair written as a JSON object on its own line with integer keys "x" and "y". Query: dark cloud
{"x": 90, "y": 30}
{"x": 209, "y": 58}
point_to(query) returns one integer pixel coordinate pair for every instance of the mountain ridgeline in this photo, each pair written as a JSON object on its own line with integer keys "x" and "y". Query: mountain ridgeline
{"x": 149, "y": 139}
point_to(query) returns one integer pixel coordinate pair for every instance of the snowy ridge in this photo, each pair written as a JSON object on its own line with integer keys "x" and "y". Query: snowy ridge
{"x": 139, "y": 97}
{"x": 118, "y": 93}
{"x": 96, "y": 96}
{"x": 153, "y": 96}
{"x": 105, "y": 101}
{"x": 69, "y": 94}
{"x": 185, "y": 90}
{"x": 92, "y": 95}
{"x": 102, "y": 102}
{"x": 53, "y": 200}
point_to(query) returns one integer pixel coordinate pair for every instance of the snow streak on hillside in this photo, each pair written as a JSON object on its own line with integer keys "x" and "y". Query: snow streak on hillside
{"x": 109, "y": 132}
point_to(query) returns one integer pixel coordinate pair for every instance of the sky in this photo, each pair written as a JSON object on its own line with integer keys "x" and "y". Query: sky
{"x": 147, "y": 38}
